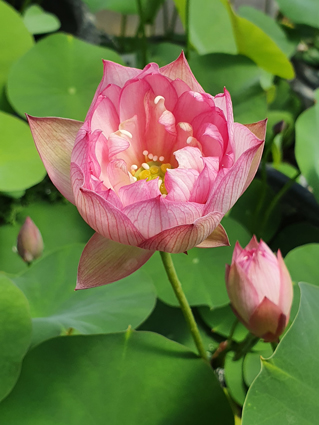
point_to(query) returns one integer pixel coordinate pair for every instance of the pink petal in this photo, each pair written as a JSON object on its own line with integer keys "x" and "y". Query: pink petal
{"x": 141, "y": 190}
{"x": 117, "y": 142}
{"x": 184, "y": 237}
{"x": 213, "y": 117}
{"x": 104, "y": 217}
{"x": 237, "y": 252}
{"x": 104, "y": 116}
{"x": 211, "y": 141}
{"x": 265, "y": 320}
{"x": 217, "y": 238}
{"x": 286, "y": 289}
{"x": 180, "y": 87}
{"x": 161, "y": 86}
{"x": 228, "y": 188}
{"x": 179, "y": 69}
{"x": 243, "y": 140}
{"x": 205, "y": 181}
{"x": 241, "y": 291}
{"x": 224, "y": 102}
{"x": 54, "y": 139}
{"x": 179, "y": 184}
{"x": 191, "y": 104}
{"x": 112, "y": 92}
{"x": 104, "y": 261}
{"x": 117, "y": 174}
{"x": 258, "y": 128}
{"x": 115, "y": 73}
{"x": 155, "y": 215}
{"x": 190, "y": 158}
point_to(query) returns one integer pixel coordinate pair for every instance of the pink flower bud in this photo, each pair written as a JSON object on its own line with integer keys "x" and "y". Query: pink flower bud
{"x": 260, "y": 289}
{"x": 29, "y": 242}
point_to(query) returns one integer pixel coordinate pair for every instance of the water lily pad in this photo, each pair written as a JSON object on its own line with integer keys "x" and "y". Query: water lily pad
{"x": 57, "y": 77}
{"x": 15, "y": 41}
{"x": 57, "y": 309}
{"x": 40, "y": 22}
{"x": 20, "y": 164}
{"x": 132, "y": 378}
{"x": 201, "y": 272}
{"x": 15, "y": 333}
{"x": 286, "y": 390}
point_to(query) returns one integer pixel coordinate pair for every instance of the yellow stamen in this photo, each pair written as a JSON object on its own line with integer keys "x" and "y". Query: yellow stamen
{"x": 163, "y": 189}
{"x": 154, "y": 169}
{"x": 145, "y": 174}
{"x": 164, "y": 167}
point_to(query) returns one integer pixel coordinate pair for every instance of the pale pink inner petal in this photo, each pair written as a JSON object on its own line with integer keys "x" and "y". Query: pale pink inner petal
{"x": 213, "y": 117}
{"x": 204, "y": 184}
{"x": 140, "y": 190}
{"x": 161, "y": 86}
{"x": 105, "y": 117}
{"x": 180, "y": 86}
{"x": 190, "y": 157}
{"x": 191, "y": 104}
{"x": 179, "y": 183}
{"x": 211, "y": 140}
{"x": 117, "y": 174}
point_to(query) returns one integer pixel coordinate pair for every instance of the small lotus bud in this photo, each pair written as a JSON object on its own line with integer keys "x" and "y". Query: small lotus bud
{"x": 29, "y": 243}
{"x": 260, "y": 289}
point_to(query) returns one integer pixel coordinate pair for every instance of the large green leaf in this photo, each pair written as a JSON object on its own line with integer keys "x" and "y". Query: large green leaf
{"x": 301, "y": 11}
{"x": 258, "y": 46}
{"x": 307, "y": 145}
{"x": 270, "y": 27}
{"x": 15, "y": 41}
{"x": 20, "y": 164}
{"x": 57, "y": 77}
{"x": 240, "y": 76}
{"x": 170, "y": 322}
{"x": 133, "y": 378}
{"x": 56, "y": 308}
{"x": 201, "y": 272}
{"x": 60, "y": 224}
{"x": 15, "y": 333}
{"x": 286, "y": 391}
{"x": 40, "y": 22}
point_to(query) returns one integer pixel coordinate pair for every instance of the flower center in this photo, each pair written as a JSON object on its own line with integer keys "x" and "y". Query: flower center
{"x": 151, "y": 170}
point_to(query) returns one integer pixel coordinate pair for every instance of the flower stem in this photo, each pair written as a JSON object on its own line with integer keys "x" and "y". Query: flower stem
{"x": 187, "y": 49}
{"x": 177, "y": 287}
{"x": 141, "y": 30}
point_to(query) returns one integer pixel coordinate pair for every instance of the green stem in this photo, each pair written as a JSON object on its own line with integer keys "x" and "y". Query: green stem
{"x": 123, "y": 25}
{"x": 177, "y": 287}
{"x": 245, "y": 346}
{"x": 187, "y": 49}
{"x": 142, "y": 30}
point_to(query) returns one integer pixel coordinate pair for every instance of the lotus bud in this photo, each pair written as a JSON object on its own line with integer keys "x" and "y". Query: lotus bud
{"x": 29, "y": 242}
{"x": 260, "y": 289}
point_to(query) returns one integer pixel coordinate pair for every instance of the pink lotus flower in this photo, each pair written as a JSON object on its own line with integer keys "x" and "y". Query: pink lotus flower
{"x": 260, "y": 289}
{"x": 155, "y": 166}
{"x": 29, "y": 242}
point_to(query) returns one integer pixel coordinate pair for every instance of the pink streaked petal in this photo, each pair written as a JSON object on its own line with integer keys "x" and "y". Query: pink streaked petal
{"x": 286, "y": 289}
{"x": 236, "y": 253}
{"x": 229, "y": 187}
{"x": 115, "y": 73}
{"x": 141, "y": 190}
{"x": 191, "y": 104}
{"x": 258, "y": 128}
{"x": 160, "y": 130}
{"x": 242, "y": 292}
{"x": 253, "y": 244}
{"x": 179, "y": 184}
{"x": 184, "y": 131}
{"x": 190, "y": 158}
{"x": 211, "y": 141}
{"x": 205, "y": 181}
{"x": 118, "y": 174}
{"x": 265, "y": 319}
{"x": 104, "y": 217}
{"x": 112, "y": 92}
{"x": 104, "y": 261}
{"x": 224, "y": 102}
{"x": 155, "y": 215}
{"x": 243, "y": 139}
{"x": 184, "y": 237}
{"x": 104, "y": 117}
{"x": 179, "y": 69}
{"x": 54, "y": 139}
{"x": 215, "y": 117}
{"x": 161, "y": 86}
{"x": 134, "y": 153}
{"x": 180, "y": 87}
{"x": 217, "y": 238}
{"x": 117, "y": 142}
{"x": 149, "y": 69}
